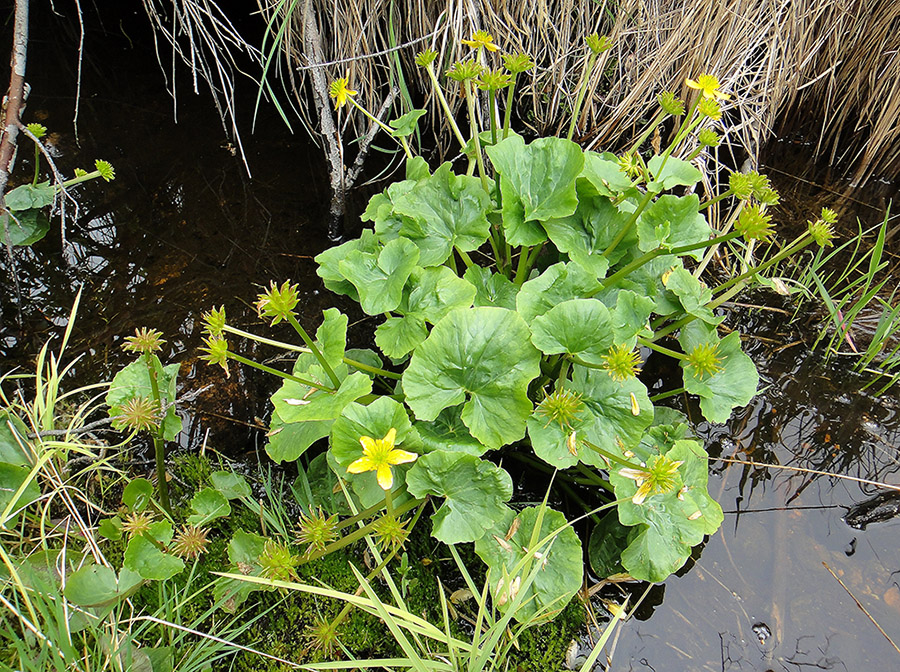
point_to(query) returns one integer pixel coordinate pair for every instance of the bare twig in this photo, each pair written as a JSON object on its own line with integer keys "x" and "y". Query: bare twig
{"x": 860, "y": 605}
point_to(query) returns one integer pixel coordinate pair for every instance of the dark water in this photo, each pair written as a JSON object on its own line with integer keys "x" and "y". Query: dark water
{"x": 184, "y": 228}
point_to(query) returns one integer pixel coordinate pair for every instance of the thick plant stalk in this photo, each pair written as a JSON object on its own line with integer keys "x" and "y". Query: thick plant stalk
{"x": 16, "y": 95}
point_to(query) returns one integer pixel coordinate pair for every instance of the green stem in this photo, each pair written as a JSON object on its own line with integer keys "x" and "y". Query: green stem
{"x": 507, "y": 116}
{"x": 315, "y": 350}
{"x": 93, "y": 175}
{"x": 492, "y": 109}
{"x": 662, "y": 350}
{"x": 275, "y": 372}
{"x": 467, "y": 260}
{"x": 476, "y": 139}
{"x": 387, "y": 129}
{"x": 389, "y": 503}
{"x": 646, "y": 134}
{"x": 612, "y": 457}
{"x": 794, "y": 247}
{"x": 725, "y": 194}
{"x": 159, "y": 446}
{"x": 631, "y": 220}
{"x": 582, "y": 89}
{"x": 521, "y": 269}
{"x": 371, "y": 369}
{"x": 666, "y": 395}
{"x": 445, "y": 106}
{"x": 263, "y": 340}
{"x": 658, "y": 252}
{"x": 594, "y": 478}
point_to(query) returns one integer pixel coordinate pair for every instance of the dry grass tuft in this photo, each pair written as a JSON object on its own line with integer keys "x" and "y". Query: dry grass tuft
{"x": 834, "y": 62}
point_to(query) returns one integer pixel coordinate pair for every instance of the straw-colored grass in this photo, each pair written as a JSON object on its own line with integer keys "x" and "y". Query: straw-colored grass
{"x": 830, "y": 66}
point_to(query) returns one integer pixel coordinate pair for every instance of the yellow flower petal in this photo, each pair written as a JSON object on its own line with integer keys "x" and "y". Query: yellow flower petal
{"x": 390, "y": 437}
{"x": 368, "y": 444}
{"x": 385, "y": 477}
{"x": 398, "y": 456}
{"x": 641, "y": 493}
{"x": 361, "y": 465}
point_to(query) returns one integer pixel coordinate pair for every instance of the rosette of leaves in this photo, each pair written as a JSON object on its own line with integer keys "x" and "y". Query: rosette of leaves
{"x": 489, "y": 303}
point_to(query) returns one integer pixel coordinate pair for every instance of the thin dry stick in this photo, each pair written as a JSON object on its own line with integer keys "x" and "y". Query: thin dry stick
{"x": 803, "y": 470}
{"x": 860, "y": 605}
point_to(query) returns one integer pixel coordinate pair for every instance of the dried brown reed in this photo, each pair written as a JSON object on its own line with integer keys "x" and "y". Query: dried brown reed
{"x": 830, "y": 66}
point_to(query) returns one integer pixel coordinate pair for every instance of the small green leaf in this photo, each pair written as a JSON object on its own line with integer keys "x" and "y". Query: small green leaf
{"x": 604, "y": 174}
{"x": 28, "y": 196}
{"x": 580, "y": 327}
{"x": 208, "y": 504}
{"x": 442, "y": 212}
{"x": 406, "y": 124}
{"x": 26, "y": 228}
{"x": 492, "y": 289}
{"x": 13, "y": 441}
{"x": 295, "y": 402}
{"x": 673, "y": 173}
{"x": 329, "y": 260}
{"x": 692, "y": 295}
{"x": 110, "y": 528}
{"x": 137, "y": 494}
{"x": 558, "y": 283}
{"x": 148, "y": 561}
{"x": 732, "y": 386}
{"x": 448, "y": 432}
{"x": 379, "y": 279}
{"x": 537, "y": 182}
{"x": 560, "y": 575}
{"x": 480, "y": 356}
{"x": 230, "y": 484}
{"x": 475, "y": 493}
{"x": 399, "y": 336}
{"x": 374, "y": 420}
{"x": 12, "y": 477}
{"x": 673, "y": 221}
{"x": 288, "y": 441}
{"x": 608, "y": 539}
{"x": 92, "y": 586}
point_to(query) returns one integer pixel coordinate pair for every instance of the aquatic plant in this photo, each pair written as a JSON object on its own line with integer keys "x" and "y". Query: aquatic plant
{"x": 519, "y": 299}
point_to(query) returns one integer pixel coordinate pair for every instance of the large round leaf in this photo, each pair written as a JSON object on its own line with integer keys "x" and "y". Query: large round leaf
{"x": 448, "y": 432}
{"x": 562, "y": 565}
{"x": 579, "y": 327}
{"x": 475, "y": 493}
{"x": 480, "y": 356}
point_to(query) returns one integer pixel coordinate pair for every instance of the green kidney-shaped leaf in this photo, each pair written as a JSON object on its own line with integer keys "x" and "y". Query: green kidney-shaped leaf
{"x": 14, "y": 446}
{"x": 580, "y": 327}
{"x": 608, "y": 539}
{"x": 98, "y": 586}
{"x": 288, "y": 441}
{"x": 379, "y": 279}
{"x": 668, "y": 524}
{"x": 475, "y": 493}
{"x": 692, "y": 295}
{"x": 26, "y": 228}
{"x": 137, "y": 494}
{"x": 230, "y": 484}
{"x": 480, "y": 356}
{"x": 604, "y": 174}
{"x": 330, "y": 259}
{"x": 12, "y": 478}
{"x": 294, "y": 402}
{"x": 673, "y": 221}
{"x": 134, "y": 381}
{"x": 560, "y": 575}
{"x": 558, "y": 283}
{"x": 537, "y": 182}
{"x": 399, "y": 336}
{"x": 148, "y": 561}
{"x": 406, "y": 124}
{"x": 448, "y": 432}
{"x": 492, "y": 289}
{"x": 733, "y": 385}
{"x": 674, "y": 172}
{"x": 208, "y": 505}
{"x": 442, "y": 212}
{"x": 30, "y": 196}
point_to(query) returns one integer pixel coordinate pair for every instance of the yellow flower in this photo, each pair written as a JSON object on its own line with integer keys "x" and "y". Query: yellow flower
{"x": 378, "y": 456}
{"x": 481, "y": 38}
{"x": 341, "y": 91}
{"x": 658, "y": 477}
{"x": 708, "y": 87}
